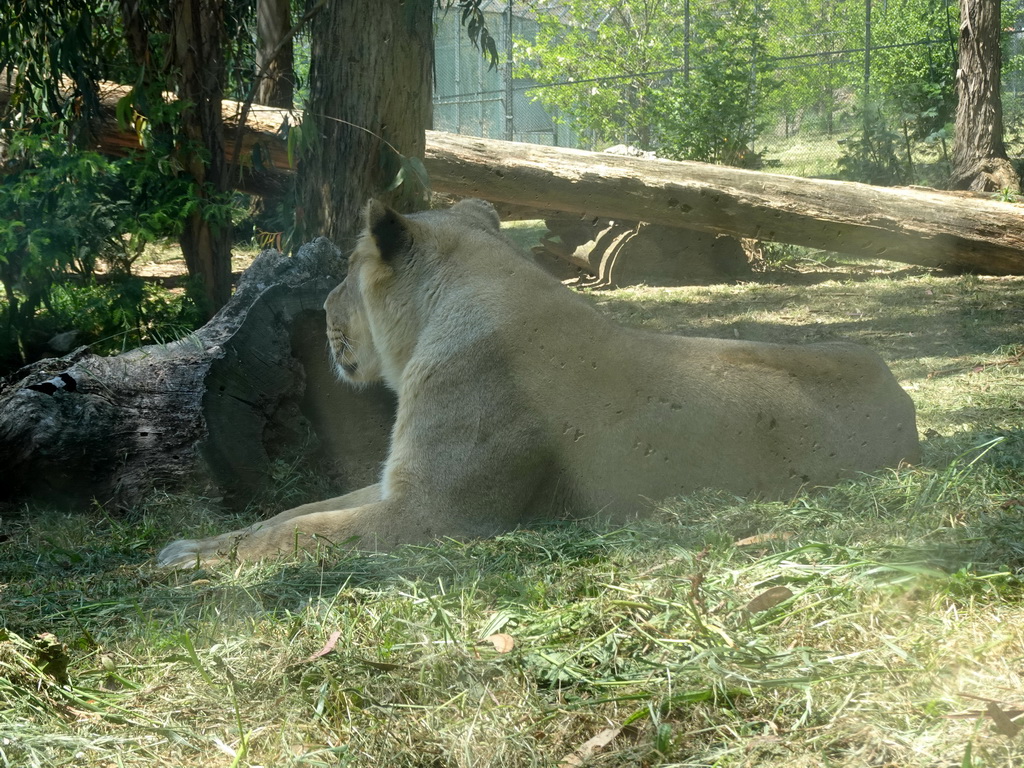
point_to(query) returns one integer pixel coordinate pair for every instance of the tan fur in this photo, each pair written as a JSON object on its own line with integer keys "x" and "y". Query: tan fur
{"x": 517, "y": 400}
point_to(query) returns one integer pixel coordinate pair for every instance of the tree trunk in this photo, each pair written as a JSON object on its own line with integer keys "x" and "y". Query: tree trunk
{"x": 196, "y": 55}
{"x": 209, "y": 412}
{"x": 212, "y": 409}
{"x": 980, "y": 161}
{"x": 194, "y": 29}
{"x": 369, "y": 104}
{"x": 275, "y": 64}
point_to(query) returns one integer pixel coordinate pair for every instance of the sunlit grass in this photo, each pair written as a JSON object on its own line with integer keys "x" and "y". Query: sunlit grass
{"x": 815, "y": 154}
{"x": 804, "y": 154}
{"x": 876, "y": 623}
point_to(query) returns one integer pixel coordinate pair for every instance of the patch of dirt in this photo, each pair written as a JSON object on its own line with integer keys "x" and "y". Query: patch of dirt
{"x": 165, "y": 264}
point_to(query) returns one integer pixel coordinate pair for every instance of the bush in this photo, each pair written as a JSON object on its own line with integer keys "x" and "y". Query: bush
{"x": 870, "y": 155}
{"x": 72, "y": 224}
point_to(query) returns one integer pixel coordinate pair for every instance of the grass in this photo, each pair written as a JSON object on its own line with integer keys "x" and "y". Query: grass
{"x": 524, "y": 234}
{"x": 806, "y": 153}
{"x": 815, "y": 154}
{"x": 878, "y": 623}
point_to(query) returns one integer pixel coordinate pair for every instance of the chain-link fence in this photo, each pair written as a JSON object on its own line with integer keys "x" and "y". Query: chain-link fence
{"x": 856, "y": 89}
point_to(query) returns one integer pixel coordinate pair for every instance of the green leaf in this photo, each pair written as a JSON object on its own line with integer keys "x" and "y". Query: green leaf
{"x": 294, "y": 136}
{"x": 968, "y": 761}
{"x": 399, "y": 178}
{"x": 124, "y": 110}
{"x": 419, "y": 170}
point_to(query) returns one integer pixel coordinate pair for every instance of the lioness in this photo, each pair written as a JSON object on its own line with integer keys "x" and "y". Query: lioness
{"x": 518, "y": 400}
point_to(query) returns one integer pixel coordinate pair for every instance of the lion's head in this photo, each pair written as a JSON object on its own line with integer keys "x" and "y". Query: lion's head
{"x": 348, "y": 333}
{"x": 375, "y": 315}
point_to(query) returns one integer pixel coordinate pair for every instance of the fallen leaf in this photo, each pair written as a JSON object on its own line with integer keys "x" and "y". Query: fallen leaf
{"x": 1003, "y": 723}
{"x": 332, "y": 641}
{"x": 502, "y": 643}
{"x": 768, "y": 599}
{"x": 589, "y": 747}
{"x": 761, "y": 538}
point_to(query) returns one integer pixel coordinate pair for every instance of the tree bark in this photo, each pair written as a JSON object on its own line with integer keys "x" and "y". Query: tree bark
{"x": 369, "y": 104}
{"x": 197, "y": 56}
{"x": 275, "y": 64}
{"x": 980, "y": 161}
{"x": 209, "y": 412}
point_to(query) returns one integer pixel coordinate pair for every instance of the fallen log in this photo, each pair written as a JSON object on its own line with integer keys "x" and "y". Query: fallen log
{"x": 954, "y": 231}
{"x": 916, "y": 226}
{"x": 210, "y": 412}
{"x": 263, "y": 162}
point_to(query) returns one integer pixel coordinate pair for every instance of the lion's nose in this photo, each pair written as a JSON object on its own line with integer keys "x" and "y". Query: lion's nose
{"x": 332, "y": 296}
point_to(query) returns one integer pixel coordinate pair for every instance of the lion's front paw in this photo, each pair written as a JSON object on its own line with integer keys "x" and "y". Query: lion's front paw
{"x": 187, "y": 553}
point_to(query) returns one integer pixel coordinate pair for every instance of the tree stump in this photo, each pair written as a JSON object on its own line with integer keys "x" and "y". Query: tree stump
{"x": 209, "y": 412}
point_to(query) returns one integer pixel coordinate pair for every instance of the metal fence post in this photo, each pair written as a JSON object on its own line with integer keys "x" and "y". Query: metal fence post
{"x": 867, "y": 53}
{"x": 686, "y": 42}
{"x": 509, "y": 108}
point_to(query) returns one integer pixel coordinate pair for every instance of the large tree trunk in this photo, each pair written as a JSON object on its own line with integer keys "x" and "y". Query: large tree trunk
{"x": 980, "y": 161}
{"x": 274, "y": 54}
{"x": 209, "y": 412}
{"x": 369, "y": 104}
{"x": 196, "y": 55}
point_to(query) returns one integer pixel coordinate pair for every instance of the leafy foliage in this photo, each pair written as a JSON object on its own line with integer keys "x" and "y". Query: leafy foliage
{"x": 72, "y": 223}
{"x": 41, "y": 43}
{"x": 718, "y": 114}
{"x": 716, "y": 87}
{"x": 71, "y": 210}
{"x": 812, "y": 42}
{"x": 705, "y": 110}
{"x": 871, "y": 154}
{"x": 473, "y": 19}
{"x": 604, "y": 65}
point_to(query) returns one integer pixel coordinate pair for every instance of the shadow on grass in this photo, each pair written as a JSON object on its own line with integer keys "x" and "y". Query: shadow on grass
{"x": 962, "y": 510}
{"x": 904, "y": 320}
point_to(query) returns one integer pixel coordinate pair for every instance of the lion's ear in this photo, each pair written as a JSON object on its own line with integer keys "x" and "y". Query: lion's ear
{"x": 479, "y": 212}
{"x": 388, "y": 229}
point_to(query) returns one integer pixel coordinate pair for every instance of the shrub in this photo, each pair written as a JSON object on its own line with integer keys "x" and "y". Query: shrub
{"x": 69, "y": 217}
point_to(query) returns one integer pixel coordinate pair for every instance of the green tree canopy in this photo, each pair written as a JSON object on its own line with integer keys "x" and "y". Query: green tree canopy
{"x": 646, "y": 74}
